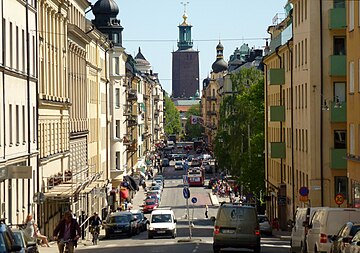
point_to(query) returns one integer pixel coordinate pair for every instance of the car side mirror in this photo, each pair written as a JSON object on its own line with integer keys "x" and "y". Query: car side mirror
{"x": 212, "y": 218}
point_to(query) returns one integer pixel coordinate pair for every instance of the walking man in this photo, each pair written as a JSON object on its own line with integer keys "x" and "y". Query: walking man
{"x": 206, "y": 211}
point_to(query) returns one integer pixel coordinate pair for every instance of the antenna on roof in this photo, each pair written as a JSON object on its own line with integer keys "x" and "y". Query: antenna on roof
{"x": 185, "y": 4}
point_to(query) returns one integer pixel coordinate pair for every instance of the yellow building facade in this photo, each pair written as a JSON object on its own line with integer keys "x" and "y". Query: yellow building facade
{"x": 306, "y": 109}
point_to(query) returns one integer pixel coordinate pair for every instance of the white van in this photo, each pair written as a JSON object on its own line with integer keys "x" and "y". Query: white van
{"x": 299, "y": 231}
{"x": 327, "y": 222}
{"x": 162, "y": 223}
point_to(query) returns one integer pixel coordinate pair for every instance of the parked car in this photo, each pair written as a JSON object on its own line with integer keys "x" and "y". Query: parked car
{"x": 165, "y": 162}
{"x": 299, "y": 230}
{"x": 150, "y": 204}
{"x": 264, "y": 224}
{"x": 26, "y": 247}
{"x": 154, "y": 193}
{"x": 162, "y": 223}
{"x": 340, "y": 241}
{"x": 7, "y": 239}
{"x": 326, "y": 223}
{"x": 354, "y": 244}
{"x": 141, "y": 219}
{"x": 120, "y": 223}
{"x": 236, "y": 226}
{"x": 178, "y": 165}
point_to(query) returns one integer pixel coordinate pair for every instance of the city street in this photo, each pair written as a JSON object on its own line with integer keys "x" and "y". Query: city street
{"x": 201, "y": 240}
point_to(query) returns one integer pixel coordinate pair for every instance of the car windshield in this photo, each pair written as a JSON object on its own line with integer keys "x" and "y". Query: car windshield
{"x": 262, "y": 219}
{"x": 18, "y": 238}
{"x": 150, "y": 203}
{"x": 119, "y": 219}
{"x": 138, "y": 216}
{"x": 158, "y": 218}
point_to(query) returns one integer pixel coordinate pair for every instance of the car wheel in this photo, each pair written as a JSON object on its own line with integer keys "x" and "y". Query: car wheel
{"x": 216, "y": 250}
{"x": 257, "y": 249}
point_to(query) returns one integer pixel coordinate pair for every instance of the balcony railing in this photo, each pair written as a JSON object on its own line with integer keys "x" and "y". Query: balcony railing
{"x": 338, "y": 65}
{"x": 131, "y": 122}
{"x": 211, "y": 98}
{"x": 278, "y": 150}
{"x": 156, "y": 97}
{"x": 338, "y": 158}
{"x": 132, "y": 95}
{"x": 337, "y": 18}
{"x": 276, "y": 76}
{"x": 277, "y": 113}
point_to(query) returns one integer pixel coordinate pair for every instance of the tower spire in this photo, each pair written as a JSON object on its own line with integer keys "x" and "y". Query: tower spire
{"x": 185, "y": 4}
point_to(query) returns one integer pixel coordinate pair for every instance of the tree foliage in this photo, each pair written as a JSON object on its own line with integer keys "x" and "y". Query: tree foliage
{"x": 239, "y": 144}
{"x": 196, "y": 130}
{"x": 172, "y": 123}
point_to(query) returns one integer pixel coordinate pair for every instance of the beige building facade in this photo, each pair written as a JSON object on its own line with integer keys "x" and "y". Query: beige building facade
{"x": 19, "y": 177}
{"x": 305, "y": 102}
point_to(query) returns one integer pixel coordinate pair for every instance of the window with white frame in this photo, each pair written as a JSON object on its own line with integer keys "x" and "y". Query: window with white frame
{"x": 117, "y": 65}
{"x": 117, "y": 98}
{"x": 351, "y": 77}
{"x": 352, "y": 139}
{"x": 117, "y": 161}
{"x": 117, "y": 129}
{"x": 10, "y": 125}
{"x": 351, "y": 15}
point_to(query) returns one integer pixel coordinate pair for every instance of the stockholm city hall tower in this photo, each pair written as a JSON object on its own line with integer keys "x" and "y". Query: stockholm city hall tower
{"x": 185, "y": 64}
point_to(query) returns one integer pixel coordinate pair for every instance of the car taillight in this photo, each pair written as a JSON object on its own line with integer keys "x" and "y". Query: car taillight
{"x": 323, "y": 238}
{"x": 257, "y": 231}
{"x": 216, "y": 230}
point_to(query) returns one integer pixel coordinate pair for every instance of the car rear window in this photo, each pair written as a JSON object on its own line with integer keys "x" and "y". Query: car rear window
{"x": 236, "y": 214}
{"x": 262, "y": 219}
{"x": 119, "y": 219}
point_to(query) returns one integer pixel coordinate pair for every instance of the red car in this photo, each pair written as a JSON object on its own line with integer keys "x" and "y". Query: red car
{"x": 150, "y": 204}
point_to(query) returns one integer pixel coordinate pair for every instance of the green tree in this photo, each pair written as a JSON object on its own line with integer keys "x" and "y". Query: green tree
{"x": 172, "y": 118}
{"x": 239, "y": 144}
{"x": 196, "y": 130}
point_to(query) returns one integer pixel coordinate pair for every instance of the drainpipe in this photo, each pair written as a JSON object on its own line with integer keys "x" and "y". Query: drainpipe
{"x": 321, "y": 111}
{"x": 281, "y": 124}
{"x": 266, "y": 134}
{"x": 3, "y": 96}
{"x": 292, "y": 130}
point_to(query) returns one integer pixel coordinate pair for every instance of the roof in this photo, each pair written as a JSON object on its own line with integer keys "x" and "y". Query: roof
{"x": 186, "y": 102}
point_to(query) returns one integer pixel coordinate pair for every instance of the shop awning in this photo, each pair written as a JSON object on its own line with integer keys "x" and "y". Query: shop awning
{"x": 91, "y": 186}
{"x": 64, "y": 190}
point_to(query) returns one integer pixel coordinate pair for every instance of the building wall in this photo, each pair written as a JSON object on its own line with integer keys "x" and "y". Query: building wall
{"x": 353, "y": 103}
{"x": 18, "y": 126}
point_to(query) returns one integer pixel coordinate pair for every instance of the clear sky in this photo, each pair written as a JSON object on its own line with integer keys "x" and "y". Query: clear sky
{"x": 152, "y": 26}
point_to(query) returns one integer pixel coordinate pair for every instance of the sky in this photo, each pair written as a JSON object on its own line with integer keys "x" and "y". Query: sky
{"x": 152, "y": 25}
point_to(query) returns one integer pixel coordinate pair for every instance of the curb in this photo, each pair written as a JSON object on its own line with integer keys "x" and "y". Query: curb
{"x": 214, "y": 199}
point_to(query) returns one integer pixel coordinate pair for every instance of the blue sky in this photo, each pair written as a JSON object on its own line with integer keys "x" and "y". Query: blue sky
{"x": 152, "y": 26}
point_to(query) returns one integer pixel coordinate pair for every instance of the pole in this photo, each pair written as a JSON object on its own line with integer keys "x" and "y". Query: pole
{"x": 188, "y": 215}
{"x": 192, "y": 215}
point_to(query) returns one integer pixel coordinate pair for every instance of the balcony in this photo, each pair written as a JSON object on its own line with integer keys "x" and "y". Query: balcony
{"x": 128, "y": 111}
{"x": 277, "y": 150}
{"x": 277, "y": 113}
{"x": 338, "y": 112}
{"x": 337, "y": 18}
{"x": 338, "y": 65}
{"x": 131, "y": 122}
{"x": 338, "y": 158}
{"x": 132, "y": 95}
{"x": 156, "y": 97}
{"x": 156, "y": 113}
{"x": 211, "y": 113}
{"x": 276, "y": 76}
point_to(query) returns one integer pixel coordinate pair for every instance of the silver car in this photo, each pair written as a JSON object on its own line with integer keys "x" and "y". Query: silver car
{"x": 264, "y": 223}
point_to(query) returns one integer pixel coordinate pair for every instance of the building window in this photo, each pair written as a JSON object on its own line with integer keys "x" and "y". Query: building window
{"x": 339, "y": 3}
{"x": 23, "y": 50}
{"x": 352, "y": 139}
{"x": 34, "y": 124}
{"x": 341, "y": 186}
{"x": 340, "y": 139}
{"x": 117, "y": 161}
{"x": 351, "y": 77}
{"x": 17, "y": 118}
{"x": 351, "y": 15}
{"x": 17, "y": 47}
{"x": 339, "y": 46}
{"x": 11, "y": 44}
{"x": 34, "y": 55}
{"x": 23, "y": 124}
{"x": 117, "y": 129}
{"x": 10, "y": 124}
{"x": 117, "y": 65}
{"x": 117, "y": 98}
{"x": 340, "y": 92}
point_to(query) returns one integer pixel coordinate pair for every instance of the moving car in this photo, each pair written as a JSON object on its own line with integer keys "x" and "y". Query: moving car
{"x": 178, "y": 165}
{"x": 264, "y": 224}
{"x": 120, "y": 223}
{"x": 236, "y": 226}
{"x": 162, "y": 223}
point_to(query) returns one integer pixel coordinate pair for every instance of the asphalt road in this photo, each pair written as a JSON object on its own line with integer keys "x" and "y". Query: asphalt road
{"x": 201, "y": 230}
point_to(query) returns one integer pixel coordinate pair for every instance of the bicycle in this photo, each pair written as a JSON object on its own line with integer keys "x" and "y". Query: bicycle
{"x": 66, "y": 245}
{"x": 95, "y": 231}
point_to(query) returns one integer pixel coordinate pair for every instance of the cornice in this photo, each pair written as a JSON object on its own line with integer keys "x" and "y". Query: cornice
{"x": 57, "y": 104}
{"x": 78, "y": 33}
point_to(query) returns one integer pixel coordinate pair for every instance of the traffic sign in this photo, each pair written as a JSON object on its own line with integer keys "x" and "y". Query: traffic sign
{"x": 304, "y": 198}
{"x": 186, "y": 192}
{"x": 185, "y": 180}
{"x": 194, "y": 200}
{"x": 304, "y": 191}
{"x": 339, "y": 199}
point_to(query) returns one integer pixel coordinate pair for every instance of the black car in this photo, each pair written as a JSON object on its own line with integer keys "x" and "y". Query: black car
{"x": 27, "y": 246}
{"x": 7, "y": 239}
{"x": 120, "y": 223}
{"x": 141, "y": 220}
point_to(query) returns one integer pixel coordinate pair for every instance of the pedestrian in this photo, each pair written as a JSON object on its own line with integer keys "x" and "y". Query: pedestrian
{"x": 206, "y": 211}
{"x": 68, "y": 230}
{"x": 82, "y": 218}
{"x": 32, "y": 232}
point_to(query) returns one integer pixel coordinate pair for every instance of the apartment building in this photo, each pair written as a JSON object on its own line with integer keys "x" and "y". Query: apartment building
{"x": 305, "y": 77}
{"x": 19, "y": 176}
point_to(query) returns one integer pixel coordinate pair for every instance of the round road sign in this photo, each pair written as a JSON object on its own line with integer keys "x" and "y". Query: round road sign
{"x": 304, "y": 191}
{"x": 339, "y": 199}
{"x": 194, "y": 200}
